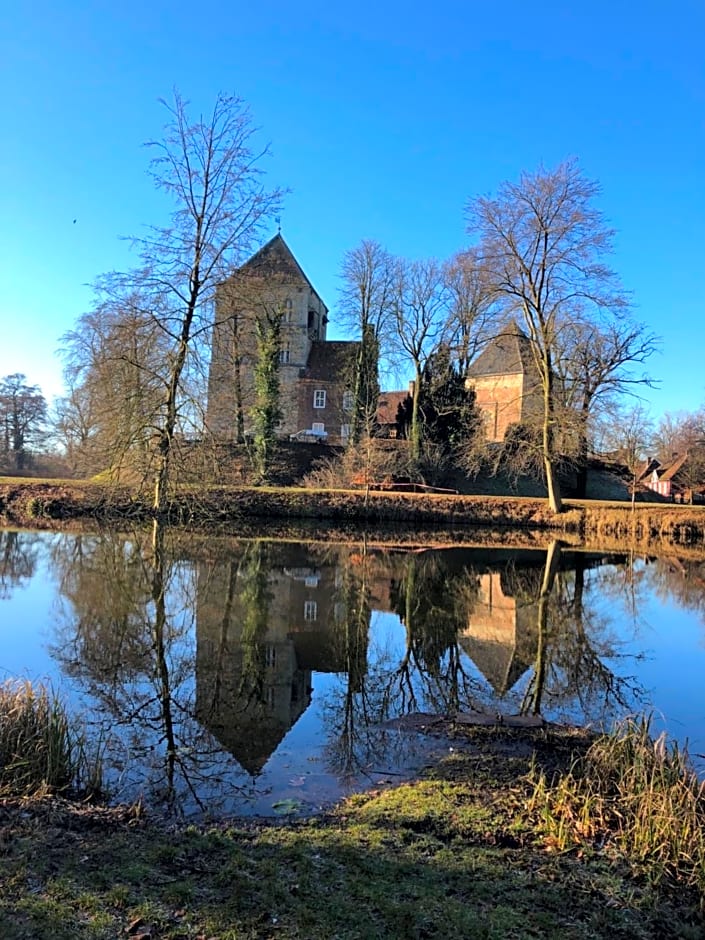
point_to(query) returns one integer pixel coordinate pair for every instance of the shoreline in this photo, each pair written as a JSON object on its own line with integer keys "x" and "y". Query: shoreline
{"x": 59, "y": 505}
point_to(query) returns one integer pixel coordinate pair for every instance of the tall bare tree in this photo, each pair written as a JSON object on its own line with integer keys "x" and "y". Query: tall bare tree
{"x": 543, "y": 242}
{"x": 113, "y": 369}
{"x": 628, "y": 434}
{"x": 595, "y": 368}
{"x": 23, "y": 411}
{"x": 472, "y": 308}
{"x": 367, "y": 308}
{"x": 208, "y": 169}
{"x": 420, "y": 307}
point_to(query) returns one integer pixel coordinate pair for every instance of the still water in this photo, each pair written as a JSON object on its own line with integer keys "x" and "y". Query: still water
{"x": 250, "y": 676}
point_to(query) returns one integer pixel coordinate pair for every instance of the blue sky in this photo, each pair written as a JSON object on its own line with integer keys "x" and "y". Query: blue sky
{"x": 383, "y": 120}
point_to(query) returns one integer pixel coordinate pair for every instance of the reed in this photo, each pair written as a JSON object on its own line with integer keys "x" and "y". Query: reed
{"x": 40, "y": 750}
{"x": 636, "y": 793}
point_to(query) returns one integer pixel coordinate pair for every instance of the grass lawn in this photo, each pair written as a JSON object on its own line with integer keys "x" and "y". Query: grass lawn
{"x": 454, "y": 854}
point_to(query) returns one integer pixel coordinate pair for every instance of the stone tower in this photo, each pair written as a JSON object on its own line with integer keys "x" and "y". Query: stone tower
{"x": 271, "y": 283}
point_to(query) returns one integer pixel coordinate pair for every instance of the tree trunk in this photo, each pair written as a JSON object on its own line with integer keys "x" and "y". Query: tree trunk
{"x": 554, "y": 490}
{"x": 553, "y": 556}
{"x": 415, "y": 423}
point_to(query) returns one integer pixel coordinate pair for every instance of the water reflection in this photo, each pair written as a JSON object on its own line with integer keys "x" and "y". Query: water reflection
{"x": 223, "y": 671}
{"x": 18, "y": 560}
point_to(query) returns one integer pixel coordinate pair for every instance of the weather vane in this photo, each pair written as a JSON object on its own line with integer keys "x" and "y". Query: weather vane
{"x": 278, "y": 220}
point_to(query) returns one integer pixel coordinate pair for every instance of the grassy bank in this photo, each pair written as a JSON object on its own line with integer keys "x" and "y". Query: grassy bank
{"x": 463, "y": 852}
{"x": 56, "y": 504}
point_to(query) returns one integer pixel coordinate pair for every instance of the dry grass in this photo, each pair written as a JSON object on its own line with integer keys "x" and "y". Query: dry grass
{"x": 39, "y": 749}
{"x": 637, "y": 794}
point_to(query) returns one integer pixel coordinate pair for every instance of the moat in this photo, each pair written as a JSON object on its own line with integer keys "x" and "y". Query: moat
{"x": 250, "y": 676}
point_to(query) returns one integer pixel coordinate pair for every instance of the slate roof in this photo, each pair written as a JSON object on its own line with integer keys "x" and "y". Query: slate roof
{"x": 509, "y": 353}
{"x": 331, "y": 360}
{"x": 276, "y": 260}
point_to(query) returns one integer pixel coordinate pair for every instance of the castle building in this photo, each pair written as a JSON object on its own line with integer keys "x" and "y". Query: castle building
{"x": 315, "y": 375}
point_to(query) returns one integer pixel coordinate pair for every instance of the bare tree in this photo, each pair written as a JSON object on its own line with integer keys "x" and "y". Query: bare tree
{"x": 543, "y": 242}
{"x": 367, "y": 308}
{"x": 595, "y": 369}
{"x": 472, "y": 306}
{"x": 23, "y": 411}
{"x": 208, "y": 169}
{"x": 113, "y": 369}
{"x": 628, "y": 434}
{"x": 420, "y": 307}
{"x": 683, "y": 433}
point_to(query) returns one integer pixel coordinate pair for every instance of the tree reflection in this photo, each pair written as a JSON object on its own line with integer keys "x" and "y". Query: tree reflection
{"x": 200, "y": 651}
{"x": 127, "y": 636}
{"x": 680, "y": 580}
{"x": 574, "y": 646}
{"x": 433, "y": 599}
{"x": 19, "y": 553}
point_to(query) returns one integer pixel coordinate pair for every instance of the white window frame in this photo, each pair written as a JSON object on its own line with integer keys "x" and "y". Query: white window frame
{"x": 310, "y": 610}
{"x": 318, "y": 426}
{"x": 284, "y": 354}
{"x": 288, "y": 310}
{"x": 319, "y": 398}
{"x": 348, "y": 400}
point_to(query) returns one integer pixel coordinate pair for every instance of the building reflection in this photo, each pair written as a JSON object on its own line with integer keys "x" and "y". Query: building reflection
{"x": 500, "y": 636}
{"x": 476, "y": 623}
{"x": 266, "y": 622}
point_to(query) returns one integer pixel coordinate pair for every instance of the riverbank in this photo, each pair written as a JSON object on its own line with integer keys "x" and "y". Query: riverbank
{"x": 461, "y": 852}
{"x": 61, "y": 504}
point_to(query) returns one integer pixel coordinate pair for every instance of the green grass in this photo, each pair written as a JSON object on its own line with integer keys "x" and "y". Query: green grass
{"x": 456, "y": 854}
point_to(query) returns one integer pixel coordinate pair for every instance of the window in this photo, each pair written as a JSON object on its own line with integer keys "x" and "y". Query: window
{"x": 284, "y": 354}
{"x": 319, "y": 398}
{"x": 288, "y": 310}
{"x": 348, "y": 400}
{"x": 310, "y": 610}
{"x": 270, "y": 655}
{"x": 345, "y": 431}
{"x": 318, "y": 426}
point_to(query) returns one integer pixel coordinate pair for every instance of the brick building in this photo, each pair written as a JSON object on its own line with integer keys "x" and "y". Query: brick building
{"x": 506, "y": 382}
{"x": 315, "y": 376}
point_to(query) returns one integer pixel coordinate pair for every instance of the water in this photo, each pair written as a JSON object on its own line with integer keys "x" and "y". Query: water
{"x": 225, "y": 676}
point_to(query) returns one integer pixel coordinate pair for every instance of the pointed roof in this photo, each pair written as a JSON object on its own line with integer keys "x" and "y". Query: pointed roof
{"x": 276, "y": 260}
{"x": 508, "y": 353}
